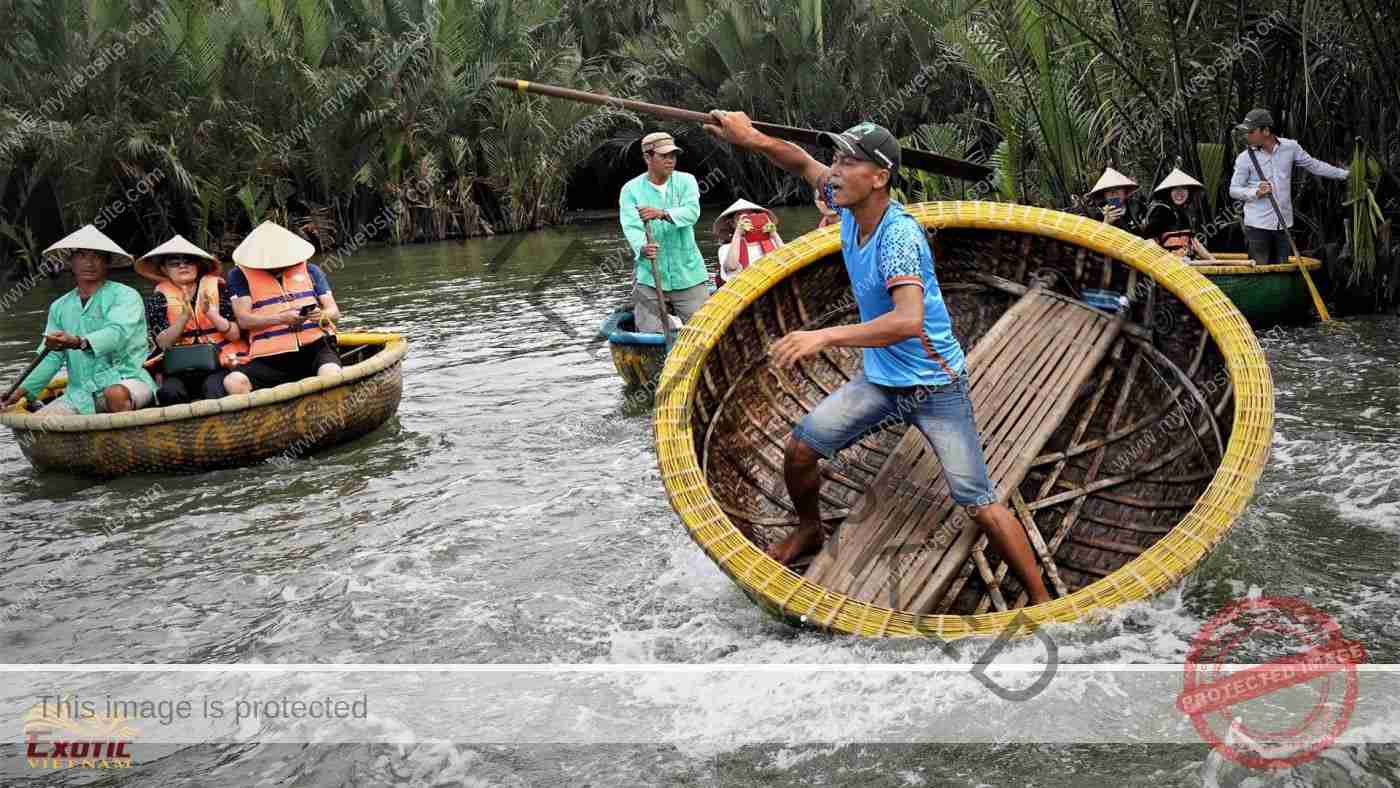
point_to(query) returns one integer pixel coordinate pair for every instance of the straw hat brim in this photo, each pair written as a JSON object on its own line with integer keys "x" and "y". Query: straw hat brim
{"x": 90, "y": 238}
{"x": 152, "y": 266}
{"x": 1113, "y": 179}
{"x": 740, "y": 206}
{"x": 271, "y": 246}
{"x": 1177, "y": 179}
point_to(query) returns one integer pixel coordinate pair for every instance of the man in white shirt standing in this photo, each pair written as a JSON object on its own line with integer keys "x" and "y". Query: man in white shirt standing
{"x": 1267, "y": 239}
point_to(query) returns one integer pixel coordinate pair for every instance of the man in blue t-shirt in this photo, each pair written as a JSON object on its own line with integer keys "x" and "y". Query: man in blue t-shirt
{"x": 914, "y": 366}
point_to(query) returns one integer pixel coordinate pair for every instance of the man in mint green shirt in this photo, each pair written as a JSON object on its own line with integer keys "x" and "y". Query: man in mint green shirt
{"x": 670, "y": 201}
{"x": 97, "y": 331}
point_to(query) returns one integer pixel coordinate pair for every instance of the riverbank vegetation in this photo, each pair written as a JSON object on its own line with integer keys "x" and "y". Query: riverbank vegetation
{"x": 325, "y": 114}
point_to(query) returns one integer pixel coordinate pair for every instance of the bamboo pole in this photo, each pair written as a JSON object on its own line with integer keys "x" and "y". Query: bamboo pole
{"x": 663, "y": 308}
{"x": 32, "y": 366}
{"x": 908, "y": 157}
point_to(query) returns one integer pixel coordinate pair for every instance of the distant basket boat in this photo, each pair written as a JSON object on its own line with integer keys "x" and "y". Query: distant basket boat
{"x": 293, "y": 419}
{"x": 1127, "y": 443}
{"x": 637, "y": 356}
{"x": 1266, "y": 294}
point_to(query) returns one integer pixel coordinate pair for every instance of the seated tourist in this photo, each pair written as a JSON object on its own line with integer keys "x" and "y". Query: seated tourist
{"x": 191, "y": 305}
{"x": 745, "y": 232}
{"x": 97, "y": 331}
{"x": 284, "y": 305}
{"x": 1174, "y": 214}
{"x": 1114, "y": 198}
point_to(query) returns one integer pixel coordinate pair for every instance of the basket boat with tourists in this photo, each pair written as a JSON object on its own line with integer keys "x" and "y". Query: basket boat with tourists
{"x": 293, "y": 419}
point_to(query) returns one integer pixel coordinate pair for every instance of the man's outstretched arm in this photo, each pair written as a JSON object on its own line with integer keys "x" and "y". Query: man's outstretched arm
{"x": 736, "y": 129}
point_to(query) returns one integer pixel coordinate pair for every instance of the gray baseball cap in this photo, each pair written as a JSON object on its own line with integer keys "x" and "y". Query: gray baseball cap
{"x": 1256, "y": 118}
{"x": 868, "y": 142}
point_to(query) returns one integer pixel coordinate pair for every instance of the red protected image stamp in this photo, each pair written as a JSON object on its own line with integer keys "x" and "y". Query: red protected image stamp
{"x": 1280, "y": 713}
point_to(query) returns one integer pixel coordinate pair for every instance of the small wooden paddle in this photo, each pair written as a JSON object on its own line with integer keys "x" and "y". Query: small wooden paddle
{"x": 908, "y": 157}
{"x": 32, "y": 366}
{"x": 1312, "y": 288}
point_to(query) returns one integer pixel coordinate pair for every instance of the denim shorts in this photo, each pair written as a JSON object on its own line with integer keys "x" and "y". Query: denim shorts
{"x": 942, "y": 413}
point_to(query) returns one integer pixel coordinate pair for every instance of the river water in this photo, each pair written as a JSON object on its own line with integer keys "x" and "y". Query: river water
{"x": 512, "y": 512}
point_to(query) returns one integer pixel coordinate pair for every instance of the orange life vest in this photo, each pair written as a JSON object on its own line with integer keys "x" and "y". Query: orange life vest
{"x": 200, "y": 328}
{"x": 290, "y": 288}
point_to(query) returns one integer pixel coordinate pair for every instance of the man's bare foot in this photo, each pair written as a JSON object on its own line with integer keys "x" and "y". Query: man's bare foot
{"x": 805, "y": 539}
{"x": 1043, "y": 599}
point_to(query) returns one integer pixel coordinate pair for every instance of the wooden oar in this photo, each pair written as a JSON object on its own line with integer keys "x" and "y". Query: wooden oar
{"x": 1312, "y": 288}
{"x": 909, "y": 157}
{"x": 663, "y": 308}
{"x": 32, "y": 366}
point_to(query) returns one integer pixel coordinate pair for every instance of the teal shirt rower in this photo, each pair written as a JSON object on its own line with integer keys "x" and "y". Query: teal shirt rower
{"x": 679, "y": 259}
{"x": 113, "y": 321}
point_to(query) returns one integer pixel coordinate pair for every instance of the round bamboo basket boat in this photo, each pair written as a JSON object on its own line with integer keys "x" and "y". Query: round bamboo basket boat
{"x": 1265, "y": 294}
{"x": 638, "y": 357}
{"x": 292, "y": 420}
{"x": 1146, "y": 472}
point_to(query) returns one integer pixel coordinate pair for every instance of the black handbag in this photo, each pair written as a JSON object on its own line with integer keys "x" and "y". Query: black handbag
{"x": 202, "y": 356}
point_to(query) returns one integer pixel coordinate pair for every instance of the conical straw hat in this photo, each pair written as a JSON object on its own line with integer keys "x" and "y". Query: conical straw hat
{"x": 91, "y": 238}
{"x": 740, "y": 206}
{"x": 1178, "y": 179}
{"x": 272, "y": 246}
{"x": 149, "y": 267}
{"x": 1112, "y": 179}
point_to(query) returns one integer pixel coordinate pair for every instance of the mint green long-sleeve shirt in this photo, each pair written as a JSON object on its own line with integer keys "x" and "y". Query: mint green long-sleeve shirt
{"x": 113, "y": 321}
{"x": 679, "y": 260}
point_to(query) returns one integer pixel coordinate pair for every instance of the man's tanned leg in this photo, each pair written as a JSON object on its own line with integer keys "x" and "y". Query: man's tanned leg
{"x": 804, "y": 480}
{"x": 1004, "y": 533}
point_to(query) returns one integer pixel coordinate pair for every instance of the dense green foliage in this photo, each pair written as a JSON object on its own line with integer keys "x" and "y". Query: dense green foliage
{"x": 206, "y": 116}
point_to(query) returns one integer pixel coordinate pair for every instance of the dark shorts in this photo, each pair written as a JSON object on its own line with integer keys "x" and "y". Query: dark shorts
{"x": 269, "y": 371}
{"x": 179, "y": 389}
{"x": 1266, "y": 247}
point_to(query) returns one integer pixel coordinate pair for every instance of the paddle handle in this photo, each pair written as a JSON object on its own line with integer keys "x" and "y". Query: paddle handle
{"x": 1307, "y": 278}
{"x": 32, "y": 366}
{"x": 663, "y": 309}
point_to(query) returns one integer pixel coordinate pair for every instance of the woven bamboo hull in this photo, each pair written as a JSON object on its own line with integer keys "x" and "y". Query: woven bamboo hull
{"x": 1128, "y": 493}
{"x": 639, "y": 365}
{"x": 1265, "y": 294}
{"x": 293, "y": 420}
{"x": 637, "y": 357}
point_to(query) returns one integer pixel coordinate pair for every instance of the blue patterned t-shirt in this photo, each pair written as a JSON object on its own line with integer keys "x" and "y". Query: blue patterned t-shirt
{"x": 897, "y": 254}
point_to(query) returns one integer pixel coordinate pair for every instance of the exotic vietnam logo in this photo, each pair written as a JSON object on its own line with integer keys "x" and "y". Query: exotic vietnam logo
{"x": 62, "y": 733}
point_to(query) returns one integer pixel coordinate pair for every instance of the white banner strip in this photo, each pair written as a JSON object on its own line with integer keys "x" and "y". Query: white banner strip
{"x": 717, "y": 705}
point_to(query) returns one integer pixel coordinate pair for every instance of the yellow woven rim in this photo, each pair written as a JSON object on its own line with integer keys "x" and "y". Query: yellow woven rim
{"x": 395, "y": 348}
{"x": 1157, "y": 568}
{"x": 1229, "y": 265}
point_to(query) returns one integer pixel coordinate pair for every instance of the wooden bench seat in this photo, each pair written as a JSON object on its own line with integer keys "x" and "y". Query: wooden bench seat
{"x": 905, "y": 541}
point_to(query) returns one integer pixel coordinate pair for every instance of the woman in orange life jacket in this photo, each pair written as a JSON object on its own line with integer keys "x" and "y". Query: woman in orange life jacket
{"x": 1171, "y": 216}
{"x": 284, "y": 305}
{"x": 191, "y": 304}
{"x": 746, "y": 232}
